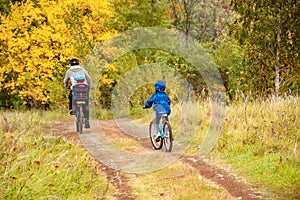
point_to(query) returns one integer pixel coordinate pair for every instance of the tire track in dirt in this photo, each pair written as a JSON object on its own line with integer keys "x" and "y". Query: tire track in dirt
{"x": 114, "y": 177}
{"x": 237, "y": 188}
{"x": 225, "y": 179}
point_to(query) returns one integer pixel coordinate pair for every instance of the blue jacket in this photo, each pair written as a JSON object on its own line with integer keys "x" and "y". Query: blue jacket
{"x": 160, "y": 100}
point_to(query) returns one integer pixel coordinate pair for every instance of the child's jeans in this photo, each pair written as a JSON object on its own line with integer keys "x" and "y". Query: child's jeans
{"x": 157, "y": 118}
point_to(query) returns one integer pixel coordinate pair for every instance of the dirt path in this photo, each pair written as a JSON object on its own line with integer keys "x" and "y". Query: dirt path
{"x": 115, "y": 177}
{"x": 224, "y": 178}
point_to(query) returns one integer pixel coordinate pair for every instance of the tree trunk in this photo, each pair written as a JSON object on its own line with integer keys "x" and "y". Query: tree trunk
{"x": 277, "y": 80}
{"x": 277, "y": 68}
{"x": 190, "y": 92}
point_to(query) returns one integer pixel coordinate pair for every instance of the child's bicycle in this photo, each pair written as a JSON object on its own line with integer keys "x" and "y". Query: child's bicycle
{"x": 80, "y": 104}
{"x": 162, "y": 134}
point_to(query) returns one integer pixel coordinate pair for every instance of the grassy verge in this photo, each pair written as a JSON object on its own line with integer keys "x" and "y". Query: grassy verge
{"x": 34, "y": 166}
{"x": 260, "y": 141}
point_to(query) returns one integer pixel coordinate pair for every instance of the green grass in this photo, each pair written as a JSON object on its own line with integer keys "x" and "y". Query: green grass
{"x": 261, "y": 141}
{"x": 34, "y": 166}
{"x": 104, "y": 114}
{"x": 281, "y": 177}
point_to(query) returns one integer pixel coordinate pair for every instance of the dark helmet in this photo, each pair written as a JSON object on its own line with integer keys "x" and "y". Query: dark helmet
{"x": 74, "y": 61}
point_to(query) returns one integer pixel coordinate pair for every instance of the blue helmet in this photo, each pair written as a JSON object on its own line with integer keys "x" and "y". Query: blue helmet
{"x": 160, "y": 86}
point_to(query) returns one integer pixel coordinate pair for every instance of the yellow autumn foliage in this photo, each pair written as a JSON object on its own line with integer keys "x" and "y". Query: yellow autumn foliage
{"x": 38, "y": 38}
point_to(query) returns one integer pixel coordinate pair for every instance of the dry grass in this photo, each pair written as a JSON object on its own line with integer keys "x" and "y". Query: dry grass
{"x": 178, "y": 181}
{"x": 261, "y": 140}
{"x": 37, "y": 167}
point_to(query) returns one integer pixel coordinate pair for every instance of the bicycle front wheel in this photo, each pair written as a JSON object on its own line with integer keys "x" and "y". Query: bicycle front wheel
{"x": 168, "y": 139}
{"x": 155, "y": 137}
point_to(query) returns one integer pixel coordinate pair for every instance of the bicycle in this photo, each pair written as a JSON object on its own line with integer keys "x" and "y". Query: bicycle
{"x": 80, "y": 104}
{"x": 162, "y": 134}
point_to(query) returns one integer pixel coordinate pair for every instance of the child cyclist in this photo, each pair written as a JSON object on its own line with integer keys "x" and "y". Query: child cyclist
{"x": 159, "y": 101}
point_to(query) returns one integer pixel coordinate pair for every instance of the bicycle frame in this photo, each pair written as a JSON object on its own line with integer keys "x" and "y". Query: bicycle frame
{"x": 165, "y": 133}
{"x": 162, "y": 121}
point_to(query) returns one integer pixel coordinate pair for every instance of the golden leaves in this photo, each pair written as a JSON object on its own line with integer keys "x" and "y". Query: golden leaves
{"x": 36, "y": 43}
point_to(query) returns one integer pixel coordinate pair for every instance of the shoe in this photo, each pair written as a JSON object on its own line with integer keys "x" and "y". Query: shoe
{"x": 71, "y": 112}
{"x": 158, "y": 138}
{"x": 87, "y": 125}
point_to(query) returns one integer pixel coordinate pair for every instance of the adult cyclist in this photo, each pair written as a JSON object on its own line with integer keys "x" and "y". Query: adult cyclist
{"x": 74, "y": 71}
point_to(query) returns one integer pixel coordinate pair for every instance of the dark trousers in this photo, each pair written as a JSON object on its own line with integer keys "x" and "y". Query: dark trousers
{"x": 86, "y": 110}
{"x": 70, "y": 100}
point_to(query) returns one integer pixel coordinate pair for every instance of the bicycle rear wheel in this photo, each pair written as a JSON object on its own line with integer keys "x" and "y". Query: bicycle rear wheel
{"x": 168, "y": 139}
{"x": 155, "y": 138}
{"x": 79, "y": 120}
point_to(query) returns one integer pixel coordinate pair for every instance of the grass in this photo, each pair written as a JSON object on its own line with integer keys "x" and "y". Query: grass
{"x": 178, "y": 181}
{"x": 127, "y": 144}
{"x": 104, "y": 114}
{"x": 190, "y": 123}
{"x": 260, "y": 141}
{"x": 275, "y": 176}
{"x": 34, "y": 166}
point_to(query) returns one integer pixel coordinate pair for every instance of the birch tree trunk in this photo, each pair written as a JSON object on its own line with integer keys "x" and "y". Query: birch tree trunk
{"x": 190, "y": 92}
{"x": 277, "y": 75}
{"x": 277, "y": 67}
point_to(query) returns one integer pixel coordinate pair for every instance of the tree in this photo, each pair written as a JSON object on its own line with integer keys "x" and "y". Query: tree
{"x": 88, "y": 23}
{"x": 36, "y": 44}
{"x": 201, "y": 20}
{"x": 270, "y": 32}
{"x": 5, "y": 5}
{"x": 131, "y": 14}
{"x": 229, "y": 57}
